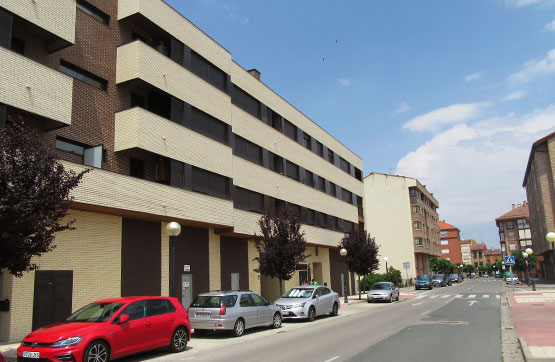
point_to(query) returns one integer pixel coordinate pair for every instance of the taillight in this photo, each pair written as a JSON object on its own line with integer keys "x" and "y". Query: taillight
{"x": 222, "y": 309}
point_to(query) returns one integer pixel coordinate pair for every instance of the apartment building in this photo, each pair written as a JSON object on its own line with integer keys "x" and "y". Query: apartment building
{"x": 539, "y": 181}
{"x": 450, "y": 240}
{"x": 479, "y": 254}
{"x": 493, "y": 256}
{"x": 514, "y": 229}
{"x": 172, "y": 130}
{"x": 402, "y": 215}
{"x": 466, "y": 250}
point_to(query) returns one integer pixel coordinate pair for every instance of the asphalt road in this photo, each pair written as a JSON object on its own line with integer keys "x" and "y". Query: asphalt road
{"x": 457, "y": 323}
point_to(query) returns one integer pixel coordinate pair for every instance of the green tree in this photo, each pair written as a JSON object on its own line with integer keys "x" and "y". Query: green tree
{"x": 362, "y": 253}
{"x": 468, "y": 268}
{"x": 394, "y": 276}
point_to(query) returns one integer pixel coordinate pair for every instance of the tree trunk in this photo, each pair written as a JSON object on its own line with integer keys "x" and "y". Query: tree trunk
{"x": 280, "y": 287}
{"x": 359, "y": 297}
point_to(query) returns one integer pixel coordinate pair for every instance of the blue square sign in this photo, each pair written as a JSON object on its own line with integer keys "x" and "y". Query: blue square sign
{"x": 509, "y": 260}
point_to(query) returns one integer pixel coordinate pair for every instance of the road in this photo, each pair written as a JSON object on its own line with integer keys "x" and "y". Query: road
{"x": 457, "y": 323}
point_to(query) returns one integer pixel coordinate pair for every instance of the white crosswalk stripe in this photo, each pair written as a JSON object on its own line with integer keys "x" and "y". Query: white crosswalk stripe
{"x": 458, "y": 296}
{"x": 472, "y": 296}
{"x": 420, "y": 297}
{"x": 433, "y": 296}
{"x": 445, "y": 296}
{"x": 497, "y": 296}
{"x": 485, "y": 296}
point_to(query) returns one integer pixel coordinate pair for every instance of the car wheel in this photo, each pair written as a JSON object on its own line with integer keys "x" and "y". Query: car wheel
{"x": 391, "y": 298}
{"x": 97, "y": 351}
{"x": 276, "y": 321}
{"x": 398, "y": 296}
{"x": 179, "y": 340}
{"x": 311, "y": 314}
{"x": 369, "y": 301}
{"x": 239, "y": 328}
{"x": 334, "y": 310}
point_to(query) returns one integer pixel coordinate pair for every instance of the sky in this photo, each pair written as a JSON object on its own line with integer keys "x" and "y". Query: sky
{"x": 452, "y": 93}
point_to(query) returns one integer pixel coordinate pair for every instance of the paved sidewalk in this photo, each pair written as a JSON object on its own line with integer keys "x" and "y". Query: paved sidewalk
{"x": 533, "y": 315}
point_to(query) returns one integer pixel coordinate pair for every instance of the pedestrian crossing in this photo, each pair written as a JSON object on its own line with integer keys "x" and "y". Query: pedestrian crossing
{"x": 456, "y": 296}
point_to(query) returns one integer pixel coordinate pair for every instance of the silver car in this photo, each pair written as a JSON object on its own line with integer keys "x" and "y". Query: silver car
{"x": 307, "y": 302}
{"x": 234, "y": 311}
{"x": 383, "y": 291}
{"x": 512, "y": 279}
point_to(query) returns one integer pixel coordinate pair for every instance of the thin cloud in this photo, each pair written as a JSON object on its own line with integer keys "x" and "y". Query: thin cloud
{"x": 523, "y": 3}
{"x": 550, "y": 26}
{"x": 403, "y": 107}
{"x": 344, "y": 82}
{"x": 513, "y": 96}
{"x": 231, "y": 10}
{"x": 474, "y": 76}
{"x": 533, "y": 69}
{"x": 453, "y": 114}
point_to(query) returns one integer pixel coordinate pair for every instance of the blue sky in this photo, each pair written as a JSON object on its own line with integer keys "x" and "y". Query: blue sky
{"x": 453, "y": 93}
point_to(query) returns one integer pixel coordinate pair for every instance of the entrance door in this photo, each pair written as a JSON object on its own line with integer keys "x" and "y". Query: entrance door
{"x": 317, "y": 268}
{"x": 235, "y": 281}
{"x": 186, "y": 290}
{"x": 52, "y": 297}
{"x": 303, "y": 277}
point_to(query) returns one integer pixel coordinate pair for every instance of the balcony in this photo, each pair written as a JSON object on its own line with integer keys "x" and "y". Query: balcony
{"x": 139, "y": 128}
{"x": 35, "y": 88}
{"x": 52, "y": 21}
{"x": 137, "y": 60}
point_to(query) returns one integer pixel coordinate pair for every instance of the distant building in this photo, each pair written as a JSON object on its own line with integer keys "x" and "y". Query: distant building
{"x": 466, "y": 250}
{"x": 514, "y": 229}
{"x": 493, "y": 255}
{"x": 402, "y": 215}
{"x": 539, "y": 181}
{"x": 479, "y": 254}
{"x": 450, "y": 242}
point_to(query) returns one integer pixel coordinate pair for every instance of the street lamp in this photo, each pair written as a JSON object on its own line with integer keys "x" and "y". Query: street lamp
{"x": 385, "y": 258}
{"x": 174, "y": 229}
{"x": 528, "y": 252}
{"x": 343, "y": 253}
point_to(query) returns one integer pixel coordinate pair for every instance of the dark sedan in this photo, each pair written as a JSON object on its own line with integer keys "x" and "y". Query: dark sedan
{"x": 440, "y": 280}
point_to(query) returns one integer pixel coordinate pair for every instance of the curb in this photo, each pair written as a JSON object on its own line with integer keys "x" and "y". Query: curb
{"x": 528, "y": 355}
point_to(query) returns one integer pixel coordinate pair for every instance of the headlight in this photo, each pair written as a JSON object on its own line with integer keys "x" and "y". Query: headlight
{"x": 299, "y": 305}
{"x": 72, "y": 341}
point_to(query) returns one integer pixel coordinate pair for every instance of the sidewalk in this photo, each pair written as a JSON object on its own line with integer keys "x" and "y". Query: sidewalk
{"x": 533, "y": 315}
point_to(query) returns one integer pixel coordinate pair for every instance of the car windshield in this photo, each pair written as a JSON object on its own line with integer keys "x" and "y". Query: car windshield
{"x": 207, "y": 301}
{"x": 381, "y": 286}
{"x": 299, "y": 293}
{"x": 438, "y": 276}
{"x": 95, "y": 312}
{"x": 454, "y": 275}
{"x": 423, "y": 277}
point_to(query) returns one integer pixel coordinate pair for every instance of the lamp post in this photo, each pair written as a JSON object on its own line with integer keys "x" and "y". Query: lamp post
{"x": 385, "y": 258}
{"x": 343, "y": 253}
{"x": 174, "y": 229}
{"x": 529, "y": 252}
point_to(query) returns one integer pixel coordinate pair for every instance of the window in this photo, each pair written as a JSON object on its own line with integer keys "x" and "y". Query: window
{"x": 275, "y": 118}
{"x": 443, "y": 233}
{"x": 347, "y": 195}
{"x": 93, "y": 11}
{"x": 137, "y": 168}
{"x": 209, "y": 126}
{"x": 245, "y": 301}
{"x": 135, "y": 310}
{"x": 323, "y": 222}
{"x": 245, "y": 101}
{"x": 258, "y": 300}
{"x": 309, "y": 178}
{"x": 445, "y": 251}
{"x": 502, "y": 236}
{"x": 419, "y": 241}
{"x": 417, "y": 225}
{"x": 83, "y": 75}
{"x": 413, "y": 193}
{"x": 344, "y": 165}
{"x": 70, "y": 146}
{"x": 294, "y": 209}
{"x": 501, "y": 228}
{"x": 444, "y": 242}
{"x": 319, "y": 149}
{"x": 321, "y": 184}
{"x": 18, "y": 45}
{"x": 207, "y": 71}
{"x": 290, "y": 130}
{"x": 310, "y": 216}
{"x": 159, "y": 306}
{"x": 137, "y": 100}
{"x": 524, "y": 234}
{"x": 307, "y": 141}
{"x": 511, "y": 235}
{"x": 292, "y": 170}
{"x": 248, "y": 200}
{"x": 276, "y": 163}
{"x": 333, "y": 190}
{"x": 248, "y": 150}
{"x": 348, "y": 226}
{"x": 510, "y": 226}
{"x": 330, "y": 156}
{"x": 415, "y": 209}
{"x": 210, "y": 183}
{"x": 522, "y": 223}
{"x": 358, "y": 174}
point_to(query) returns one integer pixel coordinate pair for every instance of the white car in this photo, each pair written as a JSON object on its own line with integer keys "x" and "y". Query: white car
{"x": 383, "y": 291}
{"x": 512, "y": 279}
{"x": 307, "y": 302}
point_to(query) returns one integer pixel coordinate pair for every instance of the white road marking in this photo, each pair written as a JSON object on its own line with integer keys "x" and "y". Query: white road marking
{"x": 445, "y": 296}
{"x": 433, "y": 296}
{"x": 472, "y": 302}
{"x": 485, "y": 296}
{"x": 497, "y": 296}
{"x": 458, "y": 296}
{"x": 332, "y": 359}
{"x": 418, "y": 303}
{"x": 426, "y": 312}
{"x": 420, "y": 296}
{"x": 472, "y": 296}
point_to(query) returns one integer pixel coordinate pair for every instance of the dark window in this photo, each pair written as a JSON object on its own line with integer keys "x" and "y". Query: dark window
{"x": 323, "y": 222}
{"x": 229, "y": 300}
{"x": 348, "y": 226}
{"x": 279, "y": 205}
{"x": 160, "y": 104}
{"x": 319, "y": 149}
{"x": 137, "y": 36}
{"x": 209, "y": 126}
{"x": 309, "y": 178}
{"x": 207, "y": 71}
{"x": 276, "y": 121}
{"x": 321, "y": 184}
{"x": 93, "y": 11}
{"x": 248, "y": 150}
{"x": 70, "y": 146}
{"x": 358, "y": 174}
{"x": 276, "y": 163}
{"x": 307, "y": 141}
{"x": 18, "y": 45}
{"x": 248, "y": 200}
{"x": 176, "y": 173}
{"x": 310, "y": 216}
{"x": 256, "y": 201}
{"x": 294, "y": 209}
{"x": 245, "y": 101}
{"x": 137, "y": 168}
{"x": 135, "y": 310}
{"x": 245, "y": 301}
{"x": 330, "y": 156}
{"x": 83, "y": 75}
{"x": 333, "y": 190}
{"x": 344, "y": 165}
{"x": 347, "y": 196}
{"x": 137, "y": 100}
{"x": 157, "y": 307}
{"x": 210, "y": 183}
{"x": 290, "y": 130}
{"x": 292, "y": 170}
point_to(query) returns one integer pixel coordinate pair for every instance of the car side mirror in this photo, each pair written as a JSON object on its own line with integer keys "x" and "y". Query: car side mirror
{"x": 123, "y": 318}
{"x": 314, "y": 296}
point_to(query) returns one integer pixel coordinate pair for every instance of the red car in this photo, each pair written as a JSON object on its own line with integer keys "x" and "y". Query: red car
{"x": 111, "y": 328}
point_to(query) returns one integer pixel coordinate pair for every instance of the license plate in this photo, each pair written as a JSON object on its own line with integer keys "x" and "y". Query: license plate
{"x": 31, "y": 354}
{"x": 202, "y": 314}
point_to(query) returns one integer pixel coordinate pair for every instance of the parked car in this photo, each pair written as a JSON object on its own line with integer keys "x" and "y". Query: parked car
{"x": 455, "y": 278}
{"x": 308, "y": 302}
{"x": 512, "y": 279}
{"x": 234, "y": 310}
{"x": 423, "y": 281}
{"x": 440, "y": 280}
{"x": 111, "y": 328}
{"x": 383, "y": 291}
{"x": 2, "y": 358}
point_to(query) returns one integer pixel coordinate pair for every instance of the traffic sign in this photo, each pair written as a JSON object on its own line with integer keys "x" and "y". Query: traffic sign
{"x": 509, "y": 260}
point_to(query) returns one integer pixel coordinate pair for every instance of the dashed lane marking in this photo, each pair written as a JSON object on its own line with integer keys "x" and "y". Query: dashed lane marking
{"x": 485, "y": 296}
{"x": 458, "y": 296}
{"x": 472, "y": 296}
{"x": 445, "y": 296}
{"x": 433, "y": 296}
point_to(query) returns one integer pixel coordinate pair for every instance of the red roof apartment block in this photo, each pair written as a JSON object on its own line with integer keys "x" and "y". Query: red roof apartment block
{"x": 450, "y": 243}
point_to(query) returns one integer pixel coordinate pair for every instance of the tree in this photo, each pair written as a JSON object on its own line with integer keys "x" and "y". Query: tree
{"x": 434, "y": 264}
{"x": 281, "y": 246}
{"x": 442, "y": 266}
{"x": 362, "y": 253}
{"x": 34, "y": 197}
{"x": 468, "y": 268}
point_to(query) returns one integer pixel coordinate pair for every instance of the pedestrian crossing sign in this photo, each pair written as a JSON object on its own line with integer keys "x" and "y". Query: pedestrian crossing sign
{"x": 509, "y": 260}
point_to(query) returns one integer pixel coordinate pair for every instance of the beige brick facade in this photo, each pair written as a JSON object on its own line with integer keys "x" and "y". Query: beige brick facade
{"x": 214, "y": 260}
